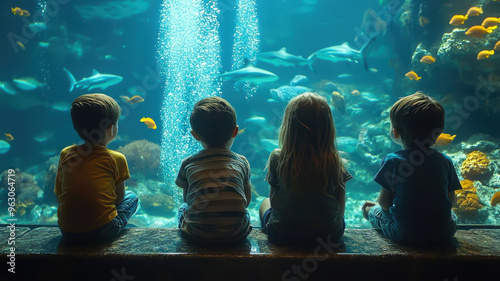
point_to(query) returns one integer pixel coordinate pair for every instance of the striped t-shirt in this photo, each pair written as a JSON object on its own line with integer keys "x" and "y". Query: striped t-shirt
{"x": 214, "y": 182}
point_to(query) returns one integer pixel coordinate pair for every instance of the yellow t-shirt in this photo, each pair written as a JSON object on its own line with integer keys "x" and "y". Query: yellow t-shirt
{"x": 85, "y": 186}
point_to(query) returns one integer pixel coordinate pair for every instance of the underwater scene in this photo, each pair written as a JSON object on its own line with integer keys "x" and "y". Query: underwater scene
{"x": 158, "y": 58}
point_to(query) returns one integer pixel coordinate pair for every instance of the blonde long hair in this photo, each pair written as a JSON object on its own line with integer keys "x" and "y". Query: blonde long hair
{"x": 307, "y": 141}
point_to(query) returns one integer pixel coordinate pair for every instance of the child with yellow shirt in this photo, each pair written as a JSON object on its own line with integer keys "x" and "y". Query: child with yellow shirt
{"x": 90, "y": 183}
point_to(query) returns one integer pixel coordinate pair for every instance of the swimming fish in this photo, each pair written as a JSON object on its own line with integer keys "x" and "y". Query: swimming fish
{"x": 497, "y": 46}
{"x": 444, "y": 140}
{"x": 20, "y": 12}
{"x": 250, "y": 73}
{"x": 458, "y": 20}
{"x": 413, "y": 75}
{"x": 149, "y": 122}
{"x": 355, "y": 93}
{"x": 491, "y": 21}
{"x": 478, "y": 31}
{"x": 485, "y": 54}
{"x": 21, "y": 45}
{"x": 97, "y": 80}
{"x": 4, "y": 146}
{"x": 8, "y": 88}
{"x": 474, "y": 11}
{"x": 428, "y": 59}
{"x": 338, "y": 102}
{"x": 495, "y": 199}
{"x": 242, "y": 131}
{"x": 133, "y": 100}
{"x": 282, "y": 58}
{"x": 8, "y": 137}
{"x": 27, "y": 83}
{"x": 423, "y": 21}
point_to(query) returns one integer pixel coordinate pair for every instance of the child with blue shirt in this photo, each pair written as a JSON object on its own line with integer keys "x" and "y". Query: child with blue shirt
{"x": 215, "y": 181}
{"x": 418, "y": 182}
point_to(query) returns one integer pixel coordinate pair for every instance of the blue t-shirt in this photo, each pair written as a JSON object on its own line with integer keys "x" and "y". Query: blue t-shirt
{"x": 420, "y": 181}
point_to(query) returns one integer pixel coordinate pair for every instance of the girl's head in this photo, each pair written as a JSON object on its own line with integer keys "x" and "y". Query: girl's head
{"x": 307, "y": 140}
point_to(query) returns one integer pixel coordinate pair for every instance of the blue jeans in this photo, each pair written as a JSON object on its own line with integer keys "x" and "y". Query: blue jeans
{"x": 384, "y": 221}
{"x": 109, "y": 231}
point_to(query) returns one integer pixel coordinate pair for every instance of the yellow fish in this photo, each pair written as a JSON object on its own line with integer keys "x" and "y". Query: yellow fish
{"x": 474, "y": 11}
{"x": 495, "y": 199}
{"x": 21, "y": 45}
{"x": 355, "y": 93}
{"x": 8, "y": 137}
{"x": 338, "y": 102}
{"x": 497, "y": 45}
{"x": 242, "y": 131}
{"x": 444, "y": 140}
{"x": 20, "y": 12}
{"x": 458, "y": 20}
{"x": 491, "y": 21}
{"x": 149, "y": 122}
{"x": 423, "y": 21}
{"x": 485, "y": 54}
{"x": 478, "y": 31}
{"x": 133, "y": 100}
{"x": 428, "y": 59}
{"x": 413, "y": 75}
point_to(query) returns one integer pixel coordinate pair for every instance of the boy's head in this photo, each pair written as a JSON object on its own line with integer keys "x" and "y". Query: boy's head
{"x": 92, "y": 115}
{"x": 418, "y": 119}
{"x": 213, "y": 120}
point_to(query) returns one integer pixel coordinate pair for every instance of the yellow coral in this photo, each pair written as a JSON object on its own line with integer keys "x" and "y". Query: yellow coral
{"x": 475, "y": 164}
{"x": 468, "y": 203}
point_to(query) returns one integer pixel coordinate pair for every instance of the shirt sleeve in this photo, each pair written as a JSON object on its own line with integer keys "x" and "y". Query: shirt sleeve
{"x": 181, "y": 180}
{"x": 453, "y": 181}
{"x": 123, "y": 172}
{"x": 387, "y": 174}
{"x": 248, "y": 172}
{"x": 57, "y": 188}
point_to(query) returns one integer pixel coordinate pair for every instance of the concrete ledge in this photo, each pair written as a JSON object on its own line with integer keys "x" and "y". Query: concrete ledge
{"x": 162, "y": 254}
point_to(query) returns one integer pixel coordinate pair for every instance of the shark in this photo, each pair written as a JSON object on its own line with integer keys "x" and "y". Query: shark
{"x": 343, "y": 53}
{"x": 282, "y": 58}
{"x": 250, "y": 73}
{"x": 97, "y": 80}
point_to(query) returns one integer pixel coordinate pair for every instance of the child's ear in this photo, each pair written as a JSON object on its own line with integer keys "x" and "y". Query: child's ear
{"x": 235, "y": 131}
{"x": 195, "y": 135}
{"x": 395, "y": 132}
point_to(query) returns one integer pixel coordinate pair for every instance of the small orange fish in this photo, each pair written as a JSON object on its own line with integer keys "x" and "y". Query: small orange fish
{"x": 20, "y": 12}
{"x": 21, "y": 45}
{"x": 478, "y": 31}
{"x": 444, "y": 139}
{"x": 485, "y": 54}
{"x": 474, "y": 11}
{"x": 242, "y": 131}
{"x": 133, "y": 100}
{"x": 491, "y": 21}
{"x": 8, "y": 137}
{"x": 428, "y": 59}
{"x": 497, "y": 46}
{"x": 355, "y": 93}
{"x": 458, "y": 20}
{"x": 495, "y": 199}
{"x": 423, "y": 21}
{"x": 149, "y": 122}
{"x": 413, "y": 75}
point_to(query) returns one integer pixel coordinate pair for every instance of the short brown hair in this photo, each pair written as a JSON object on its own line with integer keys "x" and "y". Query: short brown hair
{"x": 92, "y": 114}
{"x": 418, "y": 119}
{"x": 213, "y": 119}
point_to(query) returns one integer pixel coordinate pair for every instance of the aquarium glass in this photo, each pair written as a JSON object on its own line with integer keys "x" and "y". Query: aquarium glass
{"x": 158, "y": 58}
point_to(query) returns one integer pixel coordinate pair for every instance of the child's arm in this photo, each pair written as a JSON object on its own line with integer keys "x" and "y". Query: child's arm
{"x": 341, "y": 199}
{"x": 248, "y": 193}
{"x": 120, "y": 193}
{"x": 453, "y": 198}
{"x": 385, "y": 199}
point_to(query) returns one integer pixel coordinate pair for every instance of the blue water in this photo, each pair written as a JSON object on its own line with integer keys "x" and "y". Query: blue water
{"x": 170, "y": 53}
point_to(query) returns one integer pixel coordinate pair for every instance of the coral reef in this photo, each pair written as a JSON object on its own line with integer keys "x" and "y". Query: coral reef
{"x": 143, "y": 158}
{"x": 468, "y": 203}
{"x": 27, "y": 191}
{"x": 476, "y": 164}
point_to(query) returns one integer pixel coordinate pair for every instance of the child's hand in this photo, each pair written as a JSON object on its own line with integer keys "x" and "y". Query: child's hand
{"x": 366, "y": 208}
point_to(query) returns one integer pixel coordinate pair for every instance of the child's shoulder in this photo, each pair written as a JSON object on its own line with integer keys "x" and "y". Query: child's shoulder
{"x": 116, "y": 154}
